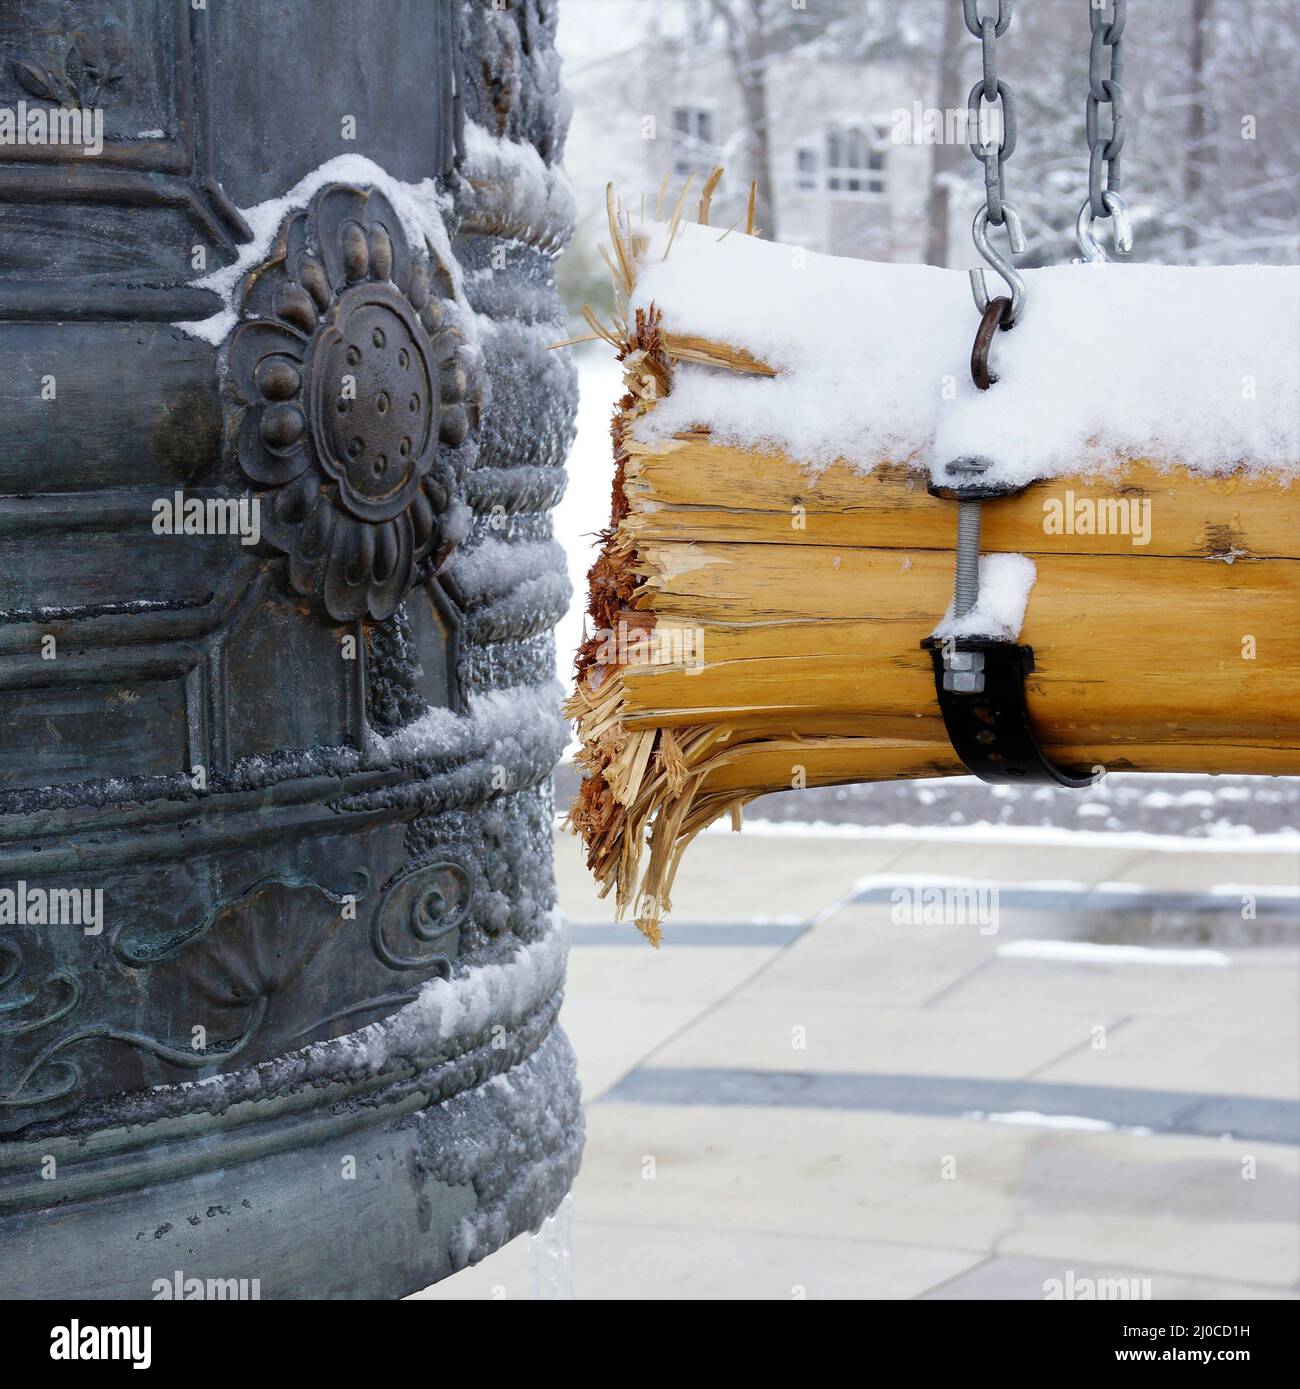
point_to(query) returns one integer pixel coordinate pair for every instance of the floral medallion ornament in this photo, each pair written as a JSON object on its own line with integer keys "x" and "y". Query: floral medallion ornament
{"x": 359, "y": 398}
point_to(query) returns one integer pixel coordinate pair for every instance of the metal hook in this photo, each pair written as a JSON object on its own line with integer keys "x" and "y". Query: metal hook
{"x": 1091, "y": 251}
{"x": 980, "y": 235}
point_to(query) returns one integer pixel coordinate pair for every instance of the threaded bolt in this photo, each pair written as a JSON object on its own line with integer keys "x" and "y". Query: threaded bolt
{"x": 967, "y": 588}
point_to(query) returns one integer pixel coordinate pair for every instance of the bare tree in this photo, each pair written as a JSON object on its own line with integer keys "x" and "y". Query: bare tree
{"x": 1195, "y": 150}
{"x": 947, "y": 157}
{"x": 755, "y": 34}
{"x": 1212, "y": 152}
{"x": 745, "y": 23}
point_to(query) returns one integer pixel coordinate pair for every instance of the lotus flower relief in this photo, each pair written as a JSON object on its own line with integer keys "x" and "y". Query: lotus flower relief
{"x": 358, "y": 391}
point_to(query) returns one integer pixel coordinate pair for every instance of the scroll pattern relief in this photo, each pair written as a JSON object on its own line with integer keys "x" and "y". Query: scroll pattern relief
{"x": 252, "y": 969}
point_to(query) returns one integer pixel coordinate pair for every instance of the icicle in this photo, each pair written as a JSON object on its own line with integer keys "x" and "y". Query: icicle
{"x": 550, "y": 1256}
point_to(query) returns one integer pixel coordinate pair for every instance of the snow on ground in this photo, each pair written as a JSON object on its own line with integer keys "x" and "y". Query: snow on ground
{"x": 1097, "y": 953}
{"x": 1224, "y": 809}
{"x": 1042, "y": 835}
{"x": 1192, "y": 365}
{"x": 1075, "y": 1123}
{"x": 584, "y": 511}
{"x": 1222, "y": 812}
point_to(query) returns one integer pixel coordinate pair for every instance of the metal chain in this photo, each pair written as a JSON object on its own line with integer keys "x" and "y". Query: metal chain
{"x": 1105, "y": 71}
{"x": 997, "y": 211}
{"x": 990, "y": 88}
{"x": 1104, "y": 88}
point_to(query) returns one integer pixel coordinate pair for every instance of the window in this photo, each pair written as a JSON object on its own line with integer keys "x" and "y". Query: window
{"x": 855, "y": 162}
{"x": 693, "y": 138}
{"x": 805, "y": 169}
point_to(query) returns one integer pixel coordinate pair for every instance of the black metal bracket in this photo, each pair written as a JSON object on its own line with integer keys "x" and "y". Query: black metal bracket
{"x": 980, "y": 685}
{"x": 980, "y": 681}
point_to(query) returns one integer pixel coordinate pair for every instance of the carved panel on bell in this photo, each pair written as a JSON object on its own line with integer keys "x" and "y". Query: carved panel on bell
{"x": 126, "y": 87}
{"x": 212, "y": 965}
{"x": 354, "y": 403}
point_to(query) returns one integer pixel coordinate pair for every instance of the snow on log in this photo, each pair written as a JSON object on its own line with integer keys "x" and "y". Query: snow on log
{"x": 774, "y": 559}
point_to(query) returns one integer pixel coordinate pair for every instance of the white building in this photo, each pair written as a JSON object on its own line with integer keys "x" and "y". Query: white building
{"x": 839, "y": 182}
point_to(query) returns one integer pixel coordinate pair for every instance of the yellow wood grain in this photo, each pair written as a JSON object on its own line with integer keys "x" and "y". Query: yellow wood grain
{"x": 1143, "y": 651}
{"x": 697, "y": 490}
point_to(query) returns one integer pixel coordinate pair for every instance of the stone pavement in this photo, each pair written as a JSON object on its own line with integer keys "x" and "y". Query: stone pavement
{"x": 833, "y": 1082}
